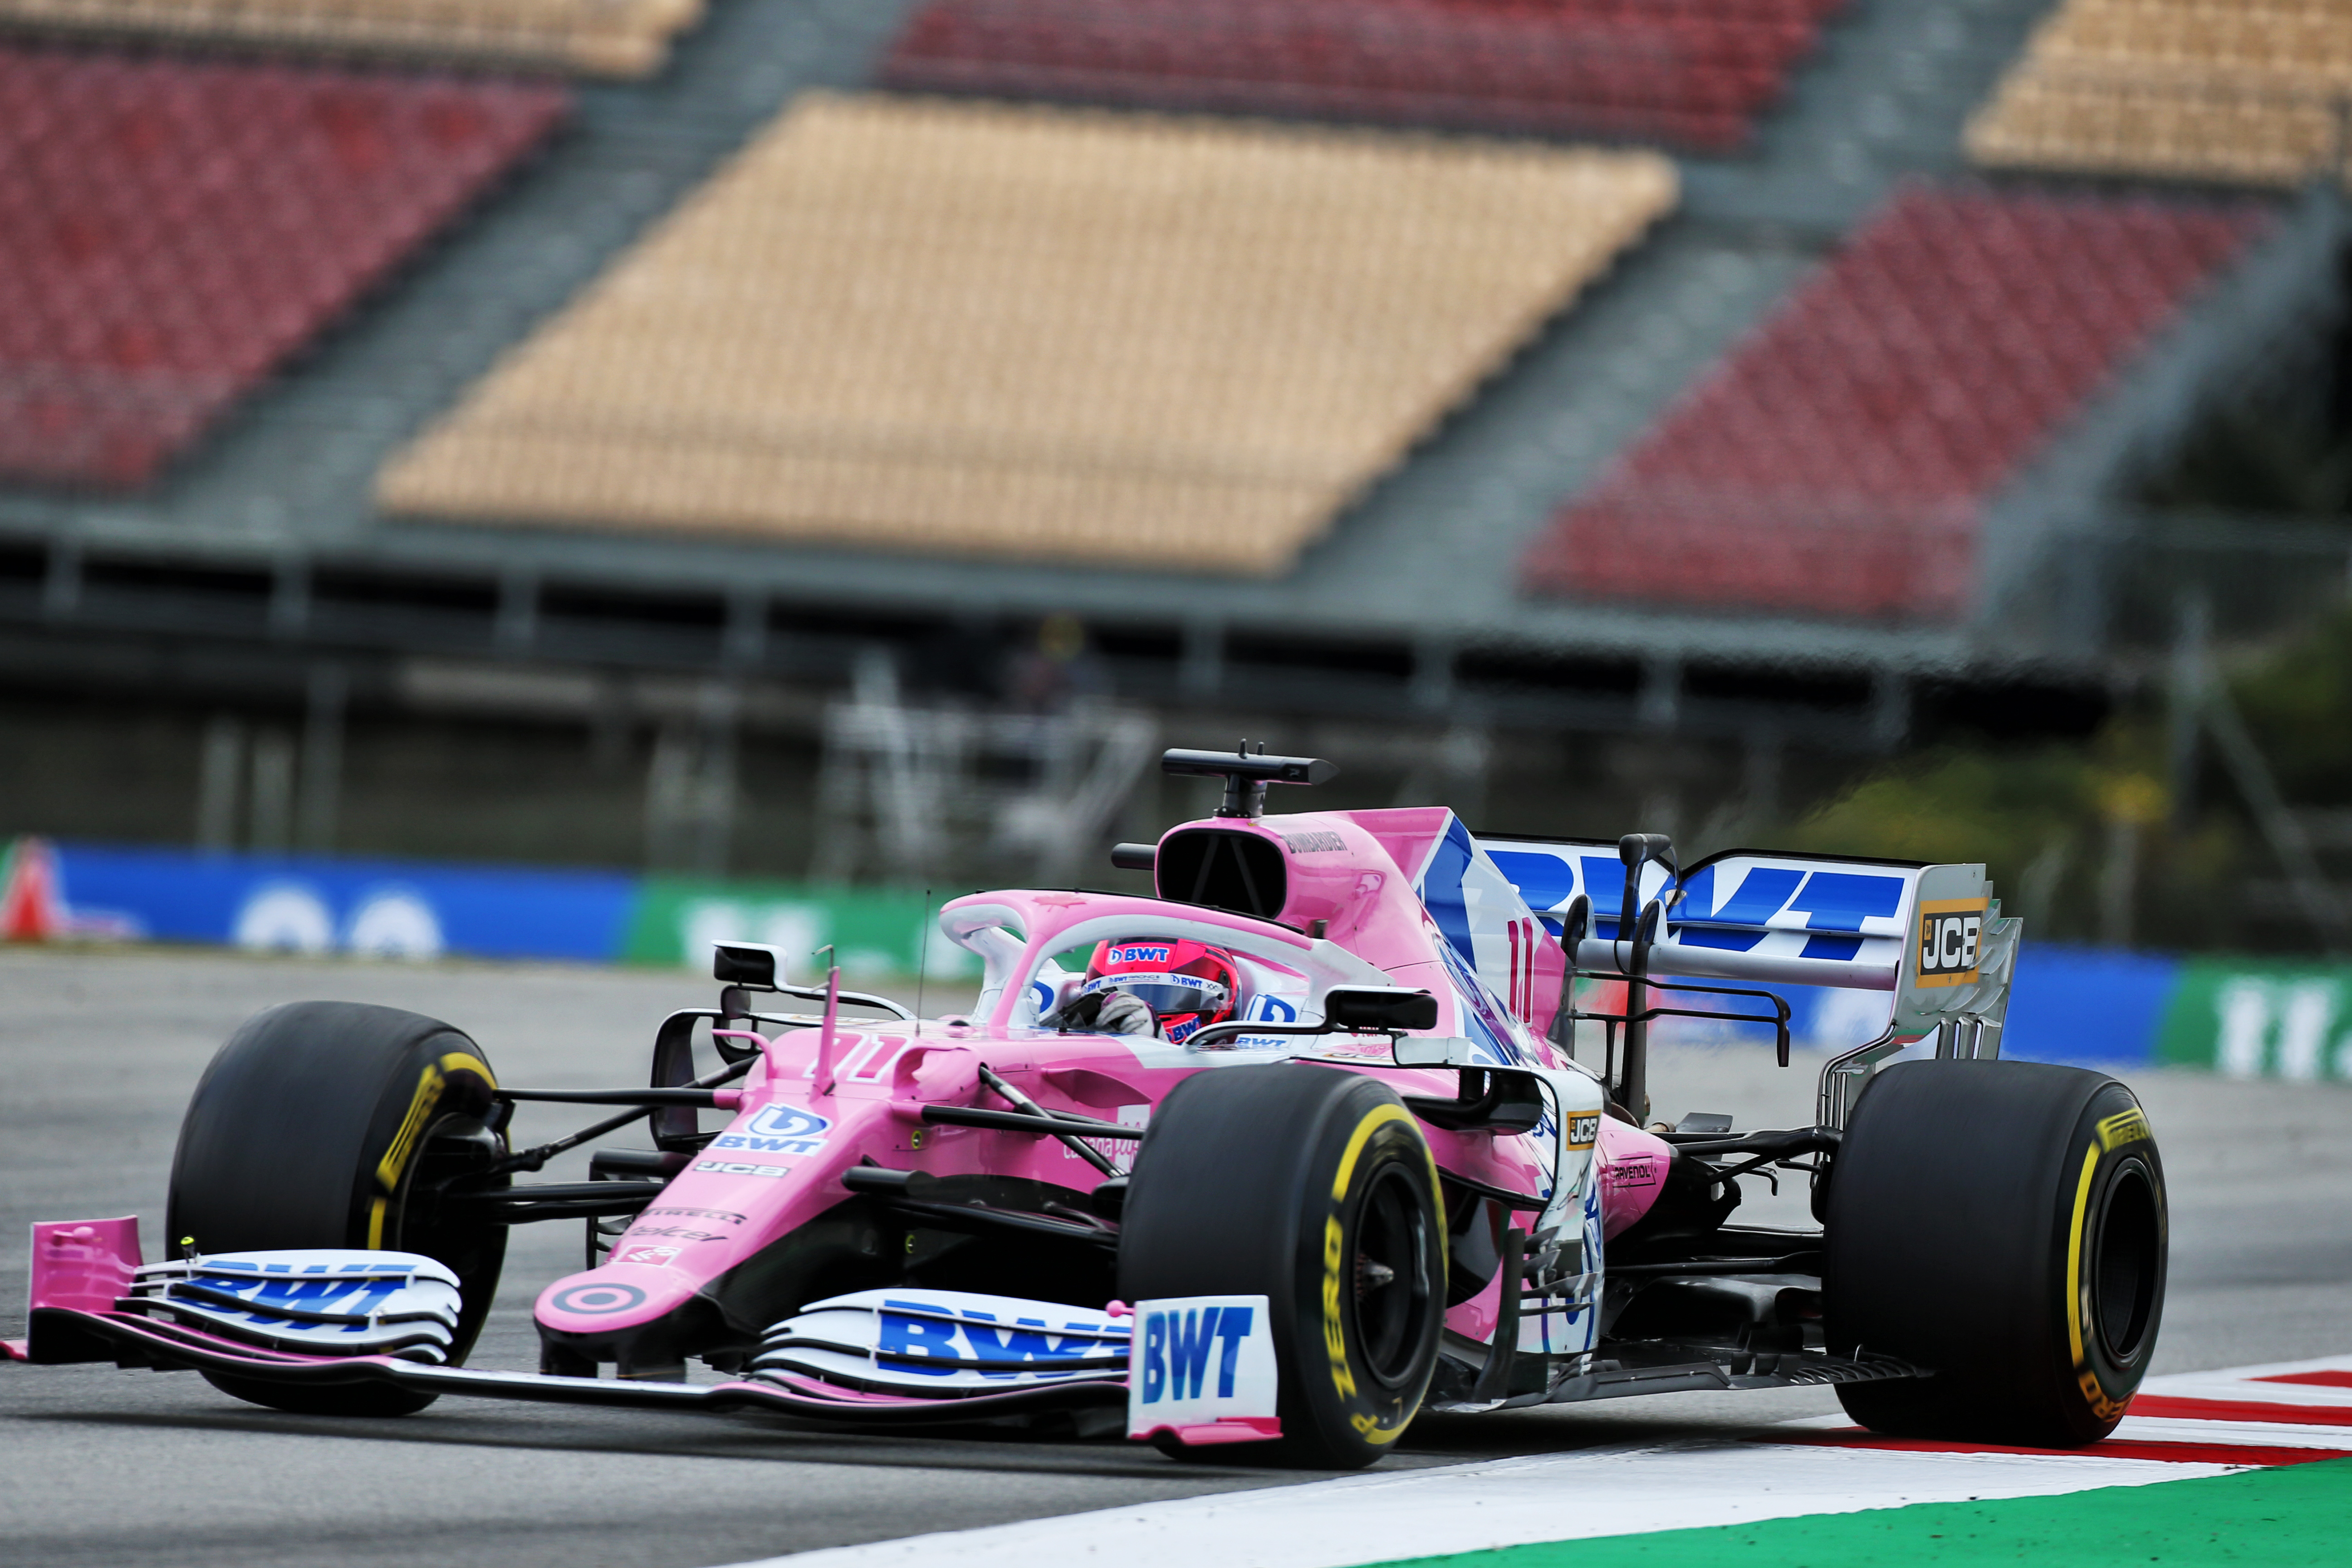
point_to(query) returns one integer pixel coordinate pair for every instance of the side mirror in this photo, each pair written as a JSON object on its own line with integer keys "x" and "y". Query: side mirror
{"x": 1378, "y": 1007}
{"x": 751, "y": 965}
{"x": 1428, "y": 1051}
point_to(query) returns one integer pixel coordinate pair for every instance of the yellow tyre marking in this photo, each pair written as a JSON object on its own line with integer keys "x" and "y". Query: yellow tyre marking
{"x": 2074, "y": 1254}
{"x": 2124, "y": 1127}
{"x": 2085, "y": 1378}
{"x": 421, "y": 1106}
{"x": 1374, "y": 1119}
{"x": 375, "y": 1225}
{"x": 1334, "y": 1330}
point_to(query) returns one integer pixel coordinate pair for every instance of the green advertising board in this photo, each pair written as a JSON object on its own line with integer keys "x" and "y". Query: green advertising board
{"x": 2253, "y": 1018}
{"x": 873, "y": 933}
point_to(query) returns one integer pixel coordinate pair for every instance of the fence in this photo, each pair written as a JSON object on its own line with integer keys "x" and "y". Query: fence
{"x": 2243, "y": 1018}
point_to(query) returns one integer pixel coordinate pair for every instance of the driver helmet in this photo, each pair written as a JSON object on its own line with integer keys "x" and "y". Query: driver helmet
{"x": 1187, "y": 984}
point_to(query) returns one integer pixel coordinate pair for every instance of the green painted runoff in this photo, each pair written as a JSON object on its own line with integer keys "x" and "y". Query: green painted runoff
{"x": 2294, "y": 1514}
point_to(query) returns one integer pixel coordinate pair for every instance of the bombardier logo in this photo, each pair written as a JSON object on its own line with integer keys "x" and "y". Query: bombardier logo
{"x": 1950, "y": 933}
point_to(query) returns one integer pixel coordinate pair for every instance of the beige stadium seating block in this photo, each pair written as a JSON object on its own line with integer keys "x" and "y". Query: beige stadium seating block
{"x": 2251, "y": 91}
{"x": 1048, "y": 333}
{"x": 593, "y": 37}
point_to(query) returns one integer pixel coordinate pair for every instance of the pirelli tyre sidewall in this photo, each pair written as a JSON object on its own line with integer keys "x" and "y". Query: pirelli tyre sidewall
{"x": 2115, "y": 1234}
{"x": 2004, "y": 1224}
{"x": 1315, "y": 1188}
{"x": 314, "y": 1127}
{"x": 1380, "y": 1208}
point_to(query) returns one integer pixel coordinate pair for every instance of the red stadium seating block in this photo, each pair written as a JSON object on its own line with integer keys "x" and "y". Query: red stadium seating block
{"x": 171, "y": 232}
{"x": 1694, "y": 72}
{"x": 1838, "y": 460}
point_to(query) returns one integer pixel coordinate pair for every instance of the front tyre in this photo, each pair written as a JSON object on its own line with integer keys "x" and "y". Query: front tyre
{"x": 313, "y": 1127}
{"x": 1314, "y": 1188}
{"x": 2003, "y": 1223}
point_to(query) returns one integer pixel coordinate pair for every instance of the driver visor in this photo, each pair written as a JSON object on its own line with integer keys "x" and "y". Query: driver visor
{"x": 1163, "y": 992}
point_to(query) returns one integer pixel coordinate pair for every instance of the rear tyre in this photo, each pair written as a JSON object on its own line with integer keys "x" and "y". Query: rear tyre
{"x": 2003, "y": 1223}
{"x": 313, "y": 1128}
{"x": 1314, "y": 1188}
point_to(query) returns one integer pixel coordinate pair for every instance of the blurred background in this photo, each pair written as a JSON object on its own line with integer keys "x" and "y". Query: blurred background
{"x": 568, "y": 479}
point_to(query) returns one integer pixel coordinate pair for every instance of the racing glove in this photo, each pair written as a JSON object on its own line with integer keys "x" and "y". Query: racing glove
{"x": 1124, "y": 1014}
{"x": 1104, "y": 1012}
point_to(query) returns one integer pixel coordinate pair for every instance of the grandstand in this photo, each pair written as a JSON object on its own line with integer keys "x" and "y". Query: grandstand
{"x": 1187, "y": 346}
{"x": 2239, "y": 92}
{"x": 172, "y": 233}
{"x": 592, "y": 37}
{"x": 1749, "y": 408}
{"x": 1693, "y": 72}
{"x": 1837, "y": 462}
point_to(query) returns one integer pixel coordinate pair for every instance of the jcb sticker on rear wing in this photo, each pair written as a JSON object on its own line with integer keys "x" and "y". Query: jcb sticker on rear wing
{"x": 1950, "y": 933}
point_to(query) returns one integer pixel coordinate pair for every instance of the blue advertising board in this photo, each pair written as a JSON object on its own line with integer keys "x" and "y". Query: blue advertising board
{"x": 306, "y": 903}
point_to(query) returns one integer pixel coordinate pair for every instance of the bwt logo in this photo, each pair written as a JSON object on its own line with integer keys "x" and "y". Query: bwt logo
{"x": 1140, "y": 954}
{"x": 779, "y": 1130}
{"x": 940, "y": 1348}
{"x": 347, "y": 1298}
{"x": 1177, "y": 1348}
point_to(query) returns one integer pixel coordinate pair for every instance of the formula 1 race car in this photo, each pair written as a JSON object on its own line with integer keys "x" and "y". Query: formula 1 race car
{"x": 1284, "y": 1155}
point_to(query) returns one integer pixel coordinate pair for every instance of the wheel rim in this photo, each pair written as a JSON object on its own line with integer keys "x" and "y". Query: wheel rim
{"x": 1394, "y": 1295}
{"x": 2123, "y": 1273}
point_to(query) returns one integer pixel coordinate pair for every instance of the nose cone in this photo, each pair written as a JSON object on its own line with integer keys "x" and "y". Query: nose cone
{"x": 602, "y": 1303}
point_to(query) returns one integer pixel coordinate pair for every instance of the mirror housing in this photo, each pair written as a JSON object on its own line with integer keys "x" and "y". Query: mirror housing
{"x": 749, "y": 965}
{"x": 1429, "y": 1051}
{"x": 1378, "y": 1007}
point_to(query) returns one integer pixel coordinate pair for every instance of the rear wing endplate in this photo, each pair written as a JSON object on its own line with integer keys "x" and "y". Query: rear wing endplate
{"x": 1932, "y": 935}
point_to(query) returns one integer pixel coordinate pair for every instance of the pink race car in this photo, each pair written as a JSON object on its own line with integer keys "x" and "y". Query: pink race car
{"x": 1284, "y": 1155}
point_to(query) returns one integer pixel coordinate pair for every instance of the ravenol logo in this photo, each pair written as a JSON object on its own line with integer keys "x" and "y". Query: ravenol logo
{"x": 1950, "y": 934}
{"x": 1178, "y": 1347}
{"x": 1140, "y": 954}
{"x": 779, "y": 1130}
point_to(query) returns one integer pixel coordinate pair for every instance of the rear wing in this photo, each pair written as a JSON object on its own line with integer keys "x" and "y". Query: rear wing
{"x": 1932, "y": 935}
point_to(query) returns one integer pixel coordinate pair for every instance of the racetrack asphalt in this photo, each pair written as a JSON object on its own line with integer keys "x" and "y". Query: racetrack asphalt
{"x": 99, "y": 1050}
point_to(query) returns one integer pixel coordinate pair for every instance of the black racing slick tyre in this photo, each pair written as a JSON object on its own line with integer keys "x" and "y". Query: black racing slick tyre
{"x": 2004, "y": 1223}
{"x": 1314, "y": 1188}
{"x": 314, "y": 1127}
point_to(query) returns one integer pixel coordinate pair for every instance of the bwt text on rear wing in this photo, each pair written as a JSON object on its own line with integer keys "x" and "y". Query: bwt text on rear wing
{"x": 1933, "y": 935}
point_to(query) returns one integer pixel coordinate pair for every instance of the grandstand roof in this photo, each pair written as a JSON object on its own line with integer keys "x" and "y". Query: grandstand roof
{"x": 1171, "y": 344}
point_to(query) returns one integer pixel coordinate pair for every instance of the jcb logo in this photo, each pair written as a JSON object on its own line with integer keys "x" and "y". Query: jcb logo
{"x": 1949, "y": 931}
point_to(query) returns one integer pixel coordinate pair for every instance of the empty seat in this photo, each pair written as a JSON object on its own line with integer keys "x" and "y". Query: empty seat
{"x": 596, "y": 37}
{"x": 1837, "y": 461}
{"x": 1696, "y": 72}
{"x": 170, "y": 232}
{"x": 2242, "y": 91}
{"x": 1181, "y": 345}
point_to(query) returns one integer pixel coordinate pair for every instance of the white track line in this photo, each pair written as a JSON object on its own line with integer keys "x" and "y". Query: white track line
{"x": 1629, "y": 1490}
{"x": 1507, "y": 1502}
